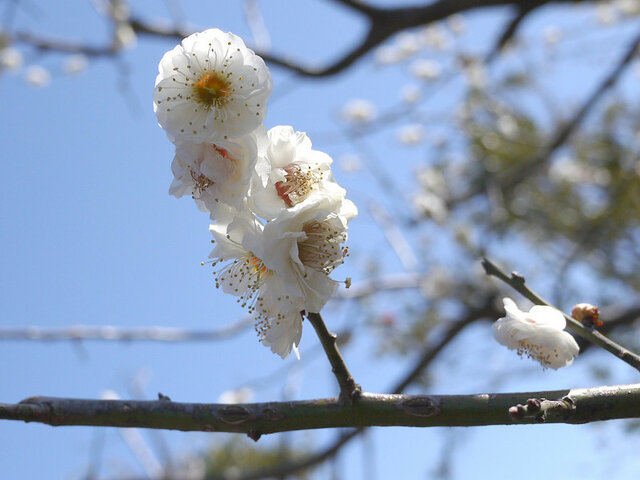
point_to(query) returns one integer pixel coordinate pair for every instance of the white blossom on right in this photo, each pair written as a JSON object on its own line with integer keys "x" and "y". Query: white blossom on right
{"x": 538, "y": 334}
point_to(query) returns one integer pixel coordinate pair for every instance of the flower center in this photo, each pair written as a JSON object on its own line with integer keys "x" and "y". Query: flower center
{"x": 243, "y": 277}
{"x": 298, "y": 183}
{"x": 212, "y": 90}
{"x": 321, "y": 249}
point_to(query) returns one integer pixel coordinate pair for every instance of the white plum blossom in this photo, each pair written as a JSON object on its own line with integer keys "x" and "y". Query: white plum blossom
{"x": 244, "y": 267}
{"x": 37, "y": 76}
{"x": 10, "y": 59}
{"x": 290, "y": 173}
{"x": 426, "y": 69}
{"x": 358, "y": 111}
{"x": 538, "y": 334}
{"x": 412, "y": 134}
{"x": 216, "y": 175}
{"x": 75, "y": 64}
{"x": 306, "y": 242}
{"x": 211, "y": 87}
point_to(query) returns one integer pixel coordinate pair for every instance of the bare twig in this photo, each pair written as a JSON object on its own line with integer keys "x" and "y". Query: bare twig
{"x": 113, "y": 333}
{"x": 349, "y": 389}
{"x": 517, "y": 282}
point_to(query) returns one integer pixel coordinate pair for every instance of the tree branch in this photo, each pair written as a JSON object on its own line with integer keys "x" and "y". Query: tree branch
{"x": 122, "y": 334}
{"x": 349, "y": 389}
{"x": 563, "y": 134}
{"x": 383, "y": 23}
{"x": 573, "y": 406}
{"x": 517, "y": 282}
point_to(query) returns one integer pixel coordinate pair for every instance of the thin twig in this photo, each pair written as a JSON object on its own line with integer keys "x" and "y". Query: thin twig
{"x": 349, "y": 389}
{"x": 122, "y": 334}
{"x": 517, "y": 282}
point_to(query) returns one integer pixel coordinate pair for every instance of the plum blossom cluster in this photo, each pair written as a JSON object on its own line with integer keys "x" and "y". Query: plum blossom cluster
{"x": 278, "y": 217}
{"x": 538, "y": 334}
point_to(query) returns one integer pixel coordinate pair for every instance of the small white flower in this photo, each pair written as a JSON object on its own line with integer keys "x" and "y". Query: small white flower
{"x": 538, "y": 334}
{"x": 358, "y": 112}
{"x": 216, "y": 175}
{"x": 244, "y": 266}
{"x": 10, "y": 59}
{"x": 425, "y": 69}
{"x": 388, "y": 54}
{"x": 410, "y": 94}
{"x": 411, "y": 134}
{"x": 125, "y": 36}
{"x": 290, "y": 172}
{"x": 241, "y": 395}
{"x": 75, "y": 64}
{"x": 306, "y": 242}
{"x": 552, "y": 34}
{"x": 37, "y": 76}
{"x": 211, "y": 87}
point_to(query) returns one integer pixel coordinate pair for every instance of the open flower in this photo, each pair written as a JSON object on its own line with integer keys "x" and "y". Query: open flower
{"x": 217, "y": 174}
{"x": 290, "y": 172}
{"x": 538, "y": 334}
{"x": 245, "y": 266}
{"x": 211, "y": 87}
{"x": 307, "y": 242}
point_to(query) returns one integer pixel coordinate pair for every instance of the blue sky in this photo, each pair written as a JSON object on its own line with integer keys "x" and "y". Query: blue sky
{"x": 90, "y": 236}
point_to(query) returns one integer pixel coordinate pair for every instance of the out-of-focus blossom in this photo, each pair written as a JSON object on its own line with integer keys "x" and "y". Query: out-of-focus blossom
{"x": 538, "y": 334}
{"x": 552, "y": 34}
{"x": 10, "y": 59}
{"x": 411, "y": 134}
{"x": 350, "y": 163}
{"x": 75, "y": 64}
{"x": 456, "y": 23}
{"x": 358, "y": 111}
{"x": 240, "y": 395}
{"x": 628, "y": 7}
{"x": 125, "y": 36}
{"x": 388, "y": 54}
{"x": 37, "y": 76}
{"x": 410, "y": 94}
{"x": 426, "y": 69}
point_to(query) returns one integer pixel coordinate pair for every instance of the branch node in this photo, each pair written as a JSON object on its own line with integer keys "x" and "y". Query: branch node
{"x": 234, "y": 414}
{"x": 253, "y": 435}
{"x": 516, "y": 277}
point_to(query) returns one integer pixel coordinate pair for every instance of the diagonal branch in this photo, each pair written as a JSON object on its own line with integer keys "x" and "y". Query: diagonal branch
{"x": 517, "y": 282}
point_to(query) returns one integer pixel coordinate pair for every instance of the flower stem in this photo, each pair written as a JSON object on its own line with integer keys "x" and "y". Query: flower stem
{"x": 517, "y": 282}
{"x": 349, "y": 389}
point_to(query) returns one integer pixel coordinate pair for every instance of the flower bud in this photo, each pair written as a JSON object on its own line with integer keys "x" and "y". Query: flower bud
{"x": 587, "y": 314}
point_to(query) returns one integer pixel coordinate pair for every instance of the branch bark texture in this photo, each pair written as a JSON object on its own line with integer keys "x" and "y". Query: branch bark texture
{"x": 573, "y": 406}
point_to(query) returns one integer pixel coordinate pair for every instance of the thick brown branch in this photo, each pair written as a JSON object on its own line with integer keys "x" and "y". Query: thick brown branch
{"x": 587, "y": 405}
